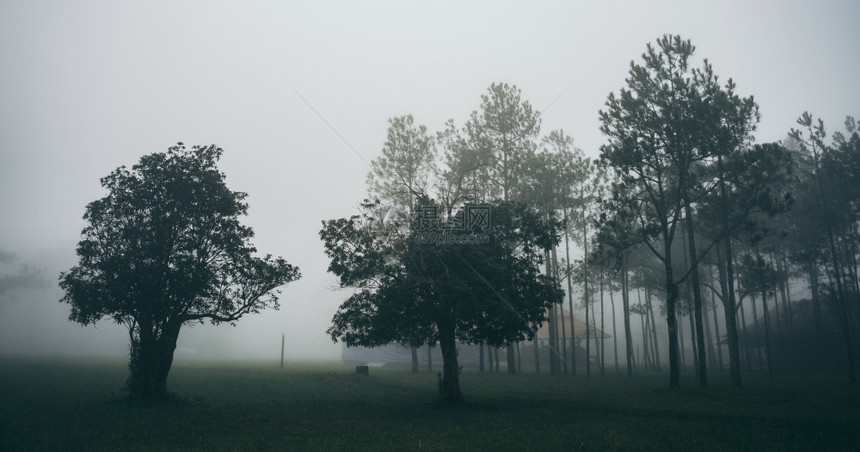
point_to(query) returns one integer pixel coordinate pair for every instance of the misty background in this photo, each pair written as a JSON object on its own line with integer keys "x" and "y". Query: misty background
{"x": 298, "y": 95}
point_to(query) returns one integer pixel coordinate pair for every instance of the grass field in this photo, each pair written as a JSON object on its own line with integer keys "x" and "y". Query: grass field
{"x": 78, "y": 405}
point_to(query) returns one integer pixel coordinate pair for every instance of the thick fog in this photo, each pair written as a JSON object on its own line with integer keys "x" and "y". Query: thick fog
{"x": 298, "y": 94}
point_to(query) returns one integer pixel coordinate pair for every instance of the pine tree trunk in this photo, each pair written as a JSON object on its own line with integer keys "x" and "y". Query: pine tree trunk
{"x": 602, "y": 330}
{"x": 816, "y": 303}
{"x": 614, "y": 332}
{"x": 563, "y": 354}
{"x": 693, "y": 344}
{"x": 682, "y": 353}
{"x": 767, "y": 350}
{"x": 672, "y": 326}
{"x": 729, "y": 311}
{"x": 551, "y": 324}
{"x": 587, "y": 338}
{"x": 746, "y": 345}
{"x": 709, "y": 339}
{"x": 717, "y": 333}
{"x": 570, "y": 298}
{"x": 757, "y": 333}
{"x": 702, "y": 370}
{"x": 656, "y": 343}
{"x": 645, "y": 345}
{"x": 625, "y": 302}
{"x": 585, "y": 296}
{"x": 729, "y": 293}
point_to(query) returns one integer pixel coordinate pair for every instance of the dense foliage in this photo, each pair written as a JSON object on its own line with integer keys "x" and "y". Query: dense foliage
{"x": 476, "y": 284}
{"x": 165, "y": 248}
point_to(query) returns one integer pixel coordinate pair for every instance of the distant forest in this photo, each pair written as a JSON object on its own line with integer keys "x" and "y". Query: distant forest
{"x": 711, "y": 250}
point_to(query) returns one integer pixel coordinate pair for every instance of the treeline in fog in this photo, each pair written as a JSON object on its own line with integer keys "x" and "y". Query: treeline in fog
{"x": 686, "y": 242}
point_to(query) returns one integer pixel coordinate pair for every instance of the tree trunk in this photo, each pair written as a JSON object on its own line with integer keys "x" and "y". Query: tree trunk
{"x": 693, "y": 344}
{"x": 757, "y": 333}
{"x": 645, "y": 347}
{"x": 449, "y": 387}
{"x": 150, "y": 361}
{"x": 816, "y": 303}
{"x": 569, "y": 298}
{"x": 709, "y": 338}
{"x": 614, "y": 332}
{"x": 585, "y": 296}
{"x": 743, "y": 322}
{"x": 429, "y": 358}
{"x": 682, "y": 359}
{"x": 596, "y": 341}
{"x": 512, "y": 359}
{"x": 729, "y": 296}
{"x": 625, "y": 302}
{"x": 414, "y": 351}
{"x": 551, "y": 324}
{"x": 563, "y": 354}
{"x": 672, "y": 324}
{"x": 602, "y": 329}
{"x": 519, "y": 359}
{"x": 767, "y": 351}
{"x": 480, "y": 357}
{"x": 656, "y": 343}
{"x": 697, "y": 297}
{"x": 717, "y": 331}
{"x": 587, "y": 337}
{"x": 726, "y": 274}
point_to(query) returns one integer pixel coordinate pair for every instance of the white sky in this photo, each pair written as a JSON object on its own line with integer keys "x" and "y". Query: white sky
{"x": 87, "y": 86}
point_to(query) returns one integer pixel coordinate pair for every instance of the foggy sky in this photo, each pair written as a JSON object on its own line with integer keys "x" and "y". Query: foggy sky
{"x": 87, "y": 86}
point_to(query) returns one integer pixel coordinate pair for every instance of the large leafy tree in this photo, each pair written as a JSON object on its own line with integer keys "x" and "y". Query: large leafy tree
{"x": 475, "y": 284}
{"x": 163, "y": 249}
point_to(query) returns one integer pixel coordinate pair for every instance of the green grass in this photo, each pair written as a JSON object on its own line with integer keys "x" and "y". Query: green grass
{"x": 78, "y": 405}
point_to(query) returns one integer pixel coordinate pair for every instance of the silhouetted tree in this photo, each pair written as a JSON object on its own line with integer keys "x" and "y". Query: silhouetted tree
{"x": 478, "y": 291}
{"x": 163, "y": 249}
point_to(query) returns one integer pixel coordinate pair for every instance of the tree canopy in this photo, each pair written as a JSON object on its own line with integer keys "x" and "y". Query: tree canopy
{"x": 473, "y": 283}
{"x": 165, "y": 248}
